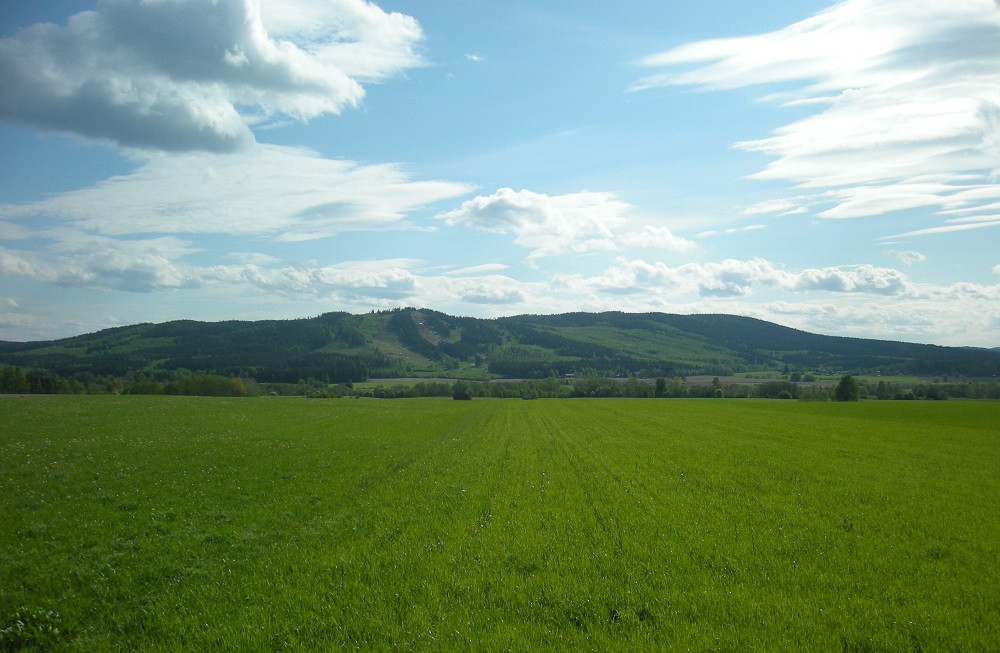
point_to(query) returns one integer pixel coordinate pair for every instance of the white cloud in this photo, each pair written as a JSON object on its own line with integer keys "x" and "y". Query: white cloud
{"x": 83, "y": 261}
{"x": 268, "y": 190}
{"x": 80, "y": 260}
{"x": 945, "y": 229}
{"x": 732, "y": 278}
{"x": 732, "y": 230}
{"x": 781, "y": 206}
{"x": 749, "y": 227}
{"x": 179, "y": 75}
{"x": 254, "y": 258}
{"x": 960, "y": 322}
{"x": 907, "y": 94}
{"x": 478, "y": 269}
{"x": 14, "y": 319}
{"x": 369, "y": 280}
{"x": 548, "y": 225}
{"x": 996, "y": 269}
{"x": 492, "y": 293}
{"x": 100, "y": 263}
{"x": 906, "y": 257}
{"x": 657, "y": 237}
{"x": 475, "y": 58}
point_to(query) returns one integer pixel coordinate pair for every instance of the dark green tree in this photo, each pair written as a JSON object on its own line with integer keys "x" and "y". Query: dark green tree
{"x": 847, "y": 390}
{"x": 13, "y": 381}
{"x": 461, "y": 390}
{"x": 661, "y": 387}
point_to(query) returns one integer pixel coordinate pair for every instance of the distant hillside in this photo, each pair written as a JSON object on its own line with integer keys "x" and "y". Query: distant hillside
{"x": 339, "y": 347}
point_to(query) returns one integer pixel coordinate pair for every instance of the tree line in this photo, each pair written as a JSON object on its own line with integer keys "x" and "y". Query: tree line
{"x": 14, "y": 380}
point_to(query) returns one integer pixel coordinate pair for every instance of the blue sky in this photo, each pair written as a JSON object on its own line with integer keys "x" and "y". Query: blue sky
{"x": 828, "y": 166}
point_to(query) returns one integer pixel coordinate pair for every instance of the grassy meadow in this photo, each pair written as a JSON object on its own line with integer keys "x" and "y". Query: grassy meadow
{"x": 180, "y": 523}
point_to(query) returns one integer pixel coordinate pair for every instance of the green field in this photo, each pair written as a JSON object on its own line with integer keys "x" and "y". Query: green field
{"x": 171, "y": 523}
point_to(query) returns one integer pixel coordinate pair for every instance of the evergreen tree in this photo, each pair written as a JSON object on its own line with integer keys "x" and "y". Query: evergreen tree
{"x": 847, "y": 390}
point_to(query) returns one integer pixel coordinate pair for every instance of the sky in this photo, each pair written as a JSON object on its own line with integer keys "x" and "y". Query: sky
{"x": 831, "y": 167}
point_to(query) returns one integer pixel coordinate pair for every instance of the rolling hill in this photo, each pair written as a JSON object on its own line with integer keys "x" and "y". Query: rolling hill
{"x": 340, "y": 347}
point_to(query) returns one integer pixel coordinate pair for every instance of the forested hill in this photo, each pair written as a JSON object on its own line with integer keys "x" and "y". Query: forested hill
{"x": 339, "y": 347}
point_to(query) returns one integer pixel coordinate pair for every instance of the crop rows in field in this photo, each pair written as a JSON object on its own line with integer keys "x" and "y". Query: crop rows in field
{"x": 161, "y": 523}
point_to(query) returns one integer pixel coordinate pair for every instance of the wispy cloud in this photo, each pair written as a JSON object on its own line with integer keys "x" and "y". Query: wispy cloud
{"x": 945, "y": 229}
{"x": 189, "y": 75}
{"x": 731, "y": 230}
{"x": 478, "y": 269}
{"x": 749, "y": 227}
{"x": 906, "y": 257}
{"x": 908, "y": 111}
{"x": 284, "y": 192}
{"x": 781, "y": 206}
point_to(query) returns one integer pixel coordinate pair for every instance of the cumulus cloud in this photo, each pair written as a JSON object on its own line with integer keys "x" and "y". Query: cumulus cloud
{"x": 491, "y": 293}
{"x": 906, "y": 96}
{"x": 291, "y": 193}
{"x": 546, "y": 224}
{"x": 179, "y": 75}
{"x": 906, "y": 257}
{"x": 549, "y": 225}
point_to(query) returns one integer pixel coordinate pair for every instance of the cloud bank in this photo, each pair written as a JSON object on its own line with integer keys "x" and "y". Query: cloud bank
{"x": 738, "y": 278}
{"x": 181, "y": 75}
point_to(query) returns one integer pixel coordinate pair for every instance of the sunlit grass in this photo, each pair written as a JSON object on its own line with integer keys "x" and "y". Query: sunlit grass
{"x": 167, "y": 523}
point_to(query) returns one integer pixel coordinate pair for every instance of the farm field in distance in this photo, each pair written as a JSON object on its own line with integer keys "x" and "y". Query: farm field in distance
{"x": 181, "y": 523}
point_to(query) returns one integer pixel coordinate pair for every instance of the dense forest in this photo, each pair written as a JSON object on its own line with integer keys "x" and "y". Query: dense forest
{"x": 343, "y": 348}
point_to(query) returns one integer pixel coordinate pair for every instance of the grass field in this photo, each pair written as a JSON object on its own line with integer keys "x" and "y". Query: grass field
{"x": 172, "y": 523}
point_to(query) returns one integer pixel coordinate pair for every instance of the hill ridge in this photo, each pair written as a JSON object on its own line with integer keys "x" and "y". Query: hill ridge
{"x": 341, "y": 347}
